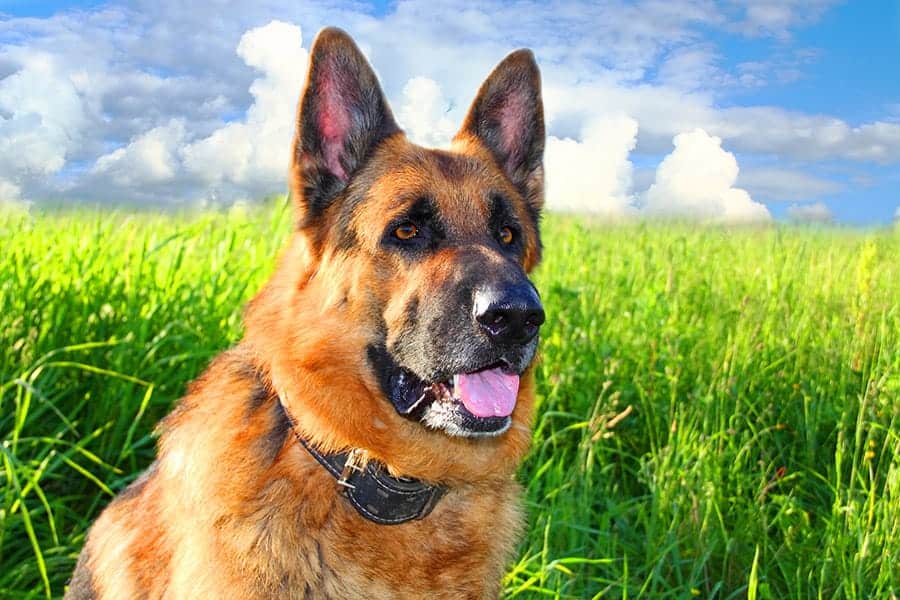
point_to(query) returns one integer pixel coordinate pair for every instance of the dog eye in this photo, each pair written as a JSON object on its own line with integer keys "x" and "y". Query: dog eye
{"x": 407, "y": 231}
{"x": 506, "y": 235}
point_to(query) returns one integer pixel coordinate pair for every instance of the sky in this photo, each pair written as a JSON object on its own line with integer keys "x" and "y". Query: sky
{"x": 736, "y": 111}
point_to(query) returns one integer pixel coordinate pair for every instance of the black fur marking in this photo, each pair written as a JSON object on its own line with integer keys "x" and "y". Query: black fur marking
{"x": 411, "y": 312}
{"x": 400, "y": 386}
{"x": 320, "y": 188}
{"x": 407, "y": 328}
{"x": 502, "y": 215}
{"x": 245, "y": 369}
{"x": 261, "y": 397}
{"x": 381, "y": 365}
{"x": 342, "y": 233}
{"x": 258, "y": 397}
{"x": 431, "y": 229}
{"x": 346, "y": 238}
{"x": 81, "y": 586}
{"x": 270, "y": 445}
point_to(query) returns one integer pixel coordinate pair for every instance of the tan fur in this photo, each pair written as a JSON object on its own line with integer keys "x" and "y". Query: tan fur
{"x": 235, "y": 508}
{"x": 217, "y": 520}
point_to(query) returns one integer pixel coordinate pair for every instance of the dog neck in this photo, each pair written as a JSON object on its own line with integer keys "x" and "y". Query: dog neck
{"x": 370, "y": 489}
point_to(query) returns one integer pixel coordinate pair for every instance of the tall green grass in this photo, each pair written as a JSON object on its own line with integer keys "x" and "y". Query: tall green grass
{"x": 718, "y": 409}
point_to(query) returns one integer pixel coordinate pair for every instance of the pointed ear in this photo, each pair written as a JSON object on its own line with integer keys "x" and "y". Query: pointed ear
{"x": 507, "y": 117}
{"x": 342, "y": 116}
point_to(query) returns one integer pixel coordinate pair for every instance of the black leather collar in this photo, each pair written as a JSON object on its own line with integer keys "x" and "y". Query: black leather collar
{"x": 372, "y": 491}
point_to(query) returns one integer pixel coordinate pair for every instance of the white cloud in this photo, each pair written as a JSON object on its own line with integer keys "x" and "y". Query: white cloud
{"x": 41, "y": 118}
{"x": 691, "y": 68}
{"x": 251, "y": 157}
{"x": 897, "y": 214}
{"x": 594, "y": 175}
{"x": 151, "y": 157}
{"x": 810, "y": 213}
{"x": 792, "y": 134}
{"x": 665, "y": 110}
{"x": 776, "y": 17}
{"x": 103, "y": 87}
{"x": 423, "y": 113}
{"x": 696, "y": 181}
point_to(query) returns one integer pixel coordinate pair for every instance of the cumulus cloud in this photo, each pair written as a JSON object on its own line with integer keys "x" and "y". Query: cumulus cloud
{"x": 666, "y": 110}
{"x": 252, "y": 156}
{"x": 423, "y": 113}
{"x": 128, "y": 95}
{"x": 41, "y": 120}
{"x": 152, "y": 157}
{"x": 810, "y": 213}
{"x": 696, "y": 181}
{"x": 594, "y": 175}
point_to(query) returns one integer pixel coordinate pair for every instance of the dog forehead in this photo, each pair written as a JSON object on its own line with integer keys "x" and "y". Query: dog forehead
{"x": 459, "y": 186}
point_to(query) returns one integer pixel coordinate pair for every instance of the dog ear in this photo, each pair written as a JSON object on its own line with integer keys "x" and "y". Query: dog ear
{"x": 507, "y": 117}
{"x": 342, "y": 116}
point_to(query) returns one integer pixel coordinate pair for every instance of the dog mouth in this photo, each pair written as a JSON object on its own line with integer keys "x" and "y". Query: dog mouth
{"x": 474, "y": 403}
{"x": 485, "y": 393}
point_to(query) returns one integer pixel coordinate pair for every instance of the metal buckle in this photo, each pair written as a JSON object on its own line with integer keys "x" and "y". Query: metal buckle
{"x": 355, "y": 462}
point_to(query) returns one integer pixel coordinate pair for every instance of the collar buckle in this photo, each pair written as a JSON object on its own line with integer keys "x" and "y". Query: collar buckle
{"x": 355, "y": 464}
{"x": 370, "y": 489}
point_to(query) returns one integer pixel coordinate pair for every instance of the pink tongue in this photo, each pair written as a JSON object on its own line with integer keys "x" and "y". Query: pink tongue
{"x": 487, "y": 393}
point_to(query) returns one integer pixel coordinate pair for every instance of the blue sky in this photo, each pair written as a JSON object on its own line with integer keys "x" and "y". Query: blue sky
{"x": 853, "y": 76}
{"x": 735, "y": 110}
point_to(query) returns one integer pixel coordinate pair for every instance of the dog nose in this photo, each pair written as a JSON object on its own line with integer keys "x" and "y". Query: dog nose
{"x": 511, "y": 315}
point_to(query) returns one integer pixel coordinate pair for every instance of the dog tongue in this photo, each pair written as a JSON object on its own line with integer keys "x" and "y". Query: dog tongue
{"x": 487, "y": 393}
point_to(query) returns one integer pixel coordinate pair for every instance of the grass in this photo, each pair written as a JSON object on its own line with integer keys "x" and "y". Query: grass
{"x": 719, "y": 411}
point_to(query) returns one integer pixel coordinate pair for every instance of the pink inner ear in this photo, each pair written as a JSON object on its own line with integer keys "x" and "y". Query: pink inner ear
{"x": 513, "y": 116}
{"x": 333, "y": 121}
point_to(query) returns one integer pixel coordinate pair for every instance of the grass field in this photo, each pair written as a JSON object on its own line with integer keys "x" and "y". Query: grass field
{"x": 719, "y": 411}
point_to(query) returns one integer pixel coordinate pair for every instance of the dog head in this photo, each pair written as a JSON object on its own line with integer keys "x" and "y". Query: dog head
{"x": 401, "y": 318}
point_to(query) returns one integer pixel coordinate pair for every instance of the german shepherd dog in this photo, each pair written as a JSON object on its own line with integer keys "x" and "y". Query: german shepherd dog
{"x": 361, "y": 440}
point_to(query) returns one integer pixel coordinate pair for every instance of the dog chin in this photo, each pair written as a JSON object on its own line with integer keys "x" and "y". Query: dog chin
{"x": 455, "y": 420}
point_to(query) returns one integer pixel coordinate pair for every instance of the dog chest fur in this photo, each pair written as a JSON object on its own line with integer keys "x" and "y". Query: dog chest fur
{"x": 238, "y": 523}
